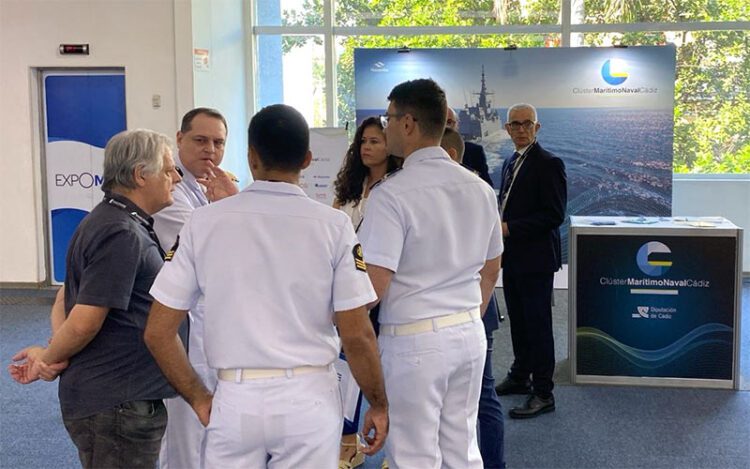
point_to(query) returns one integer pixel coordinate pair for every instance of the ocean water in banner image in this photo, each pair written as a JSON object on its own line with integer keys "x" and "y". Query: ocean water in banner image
{"x": 618, "y": 161}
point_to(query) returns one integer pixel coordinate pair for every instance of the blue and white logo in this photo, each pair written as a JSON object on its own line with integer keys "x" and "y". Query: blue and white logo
{"x": 615, "y": 71}
{"x": 654, "y": 259}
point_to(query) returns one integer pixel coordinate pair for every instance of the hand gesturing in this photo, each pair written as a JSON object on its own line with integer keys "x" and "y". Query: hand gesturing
{"x": 218, "y": 183}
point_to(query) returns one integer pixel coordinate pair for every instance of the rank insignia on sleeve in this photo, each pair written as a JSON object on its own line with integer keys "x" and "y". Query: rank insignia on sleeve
{"x": 359, "y": 260}
{"x": 170, "y": 254}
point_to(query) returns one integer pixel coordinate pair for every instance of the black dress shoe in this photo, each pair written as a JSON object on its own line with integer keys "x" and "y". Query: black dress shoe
{"x": 512, "y": 386}
{"x": 534, "y": 406}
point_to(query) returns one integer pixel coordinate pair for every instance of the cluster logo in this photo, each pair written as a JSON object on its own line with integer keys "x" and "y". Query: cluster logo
{"x": 654, "y": 259}
{"x": 615, "y": 71}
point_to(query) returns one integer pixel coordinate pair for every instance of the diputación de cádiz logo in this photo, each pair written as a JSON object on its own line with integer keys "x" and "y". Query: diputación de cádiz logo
{"x": 654, "y": 258}
{"x": 615, "y": 71}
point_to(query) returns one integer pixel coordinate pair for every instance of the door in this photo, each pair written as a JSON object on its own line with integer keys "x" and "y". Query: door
{"x": 82, "y": 110}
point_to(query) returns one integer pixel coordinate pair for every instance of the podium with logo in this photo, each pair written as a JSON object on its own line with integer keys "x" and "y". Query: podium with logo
{"x": 655, "y": 301}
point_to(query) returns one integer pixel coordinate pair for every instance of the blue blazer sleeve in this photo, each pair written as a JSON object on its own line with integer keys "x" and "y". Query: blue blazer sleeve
{"x": 476, "y": 159}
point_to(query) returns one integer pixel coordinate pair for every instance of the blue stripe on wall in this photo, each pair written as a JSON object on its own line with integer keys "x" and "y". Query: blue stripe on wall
{"x": 74, "y": 114}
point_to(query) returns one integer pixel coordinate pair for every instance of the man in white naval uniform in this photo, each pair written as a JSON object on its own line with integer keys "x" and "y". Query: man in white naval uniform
{"x": 432, "y": 240}
{"x": 276, "y": 270}
{"x": 200, "y": 144}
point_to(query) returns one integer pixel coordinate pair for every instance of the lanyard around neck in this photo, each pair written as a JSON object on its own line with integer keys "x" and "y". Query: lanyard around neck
{"x": 512, "y": 176}
{"x": 138, "y": 218}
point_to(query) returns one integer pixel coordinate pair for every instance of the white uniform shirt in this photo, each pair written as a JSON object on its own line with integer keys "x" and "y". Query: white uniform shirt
{"x": 273, "y": 265}
{"x": 433, "y": 224}
{"x": 355, "y": 211}
{"x": 188, "y": 195}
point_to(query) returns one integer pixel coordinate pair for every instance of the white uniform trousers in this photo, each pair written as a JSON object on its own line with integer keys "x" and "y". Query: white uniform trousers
{"x": 182, "y": 443}
{"x": 433, "y": 381}
{"x": 285, "y": 422}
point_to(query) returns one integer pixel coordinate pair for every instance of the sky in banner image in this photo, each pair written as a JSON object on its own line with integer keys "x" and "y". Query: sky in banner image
{"x": 607, "y": 112}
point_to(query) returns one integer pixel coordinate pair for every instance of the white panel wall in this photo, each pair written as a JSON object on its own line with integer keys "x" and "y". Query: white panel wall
{"x": 139, "y": 35}
{"x": 716, "y": 195}
{"x": 219, "y": 27}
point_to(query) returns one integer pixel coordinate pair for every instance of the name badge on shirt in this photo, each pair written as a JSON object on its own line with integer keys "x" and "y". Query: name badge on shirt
{"x": 170, "y": 254}
{"x": 359, "y": 260}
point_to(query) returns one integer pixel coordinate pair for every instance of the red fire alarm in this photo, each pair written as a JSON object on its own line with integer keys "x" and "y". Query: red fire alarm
{"x": 76, "y": 49}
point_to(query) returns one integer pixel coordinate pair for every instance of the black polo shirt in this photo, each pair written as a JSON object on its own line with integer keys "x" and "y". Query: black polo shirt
{"x": 112, "y": 261}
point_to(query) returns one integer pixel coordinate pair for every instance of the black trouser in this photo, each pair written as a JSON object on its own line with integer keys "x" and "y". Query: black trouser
{"x": 128, "y": 435}
{"x": 528, "y": 298}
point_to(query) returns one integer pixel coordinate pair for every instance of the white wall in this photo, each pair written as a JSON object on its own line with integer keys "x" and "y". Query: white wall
{"x": 727, "y": 196}
{"x": 149, "y": 38}
{"x": 219, "y": 27}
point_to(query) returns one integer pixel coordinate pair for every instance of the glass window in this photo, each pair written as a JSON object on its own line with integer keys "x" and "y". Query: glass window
{"x": 291, "y": 70}
{"x": 657, "y": 11}
{"x": 446, "y": 12}
{"x": 712, "y": 96}
{"x": 289, "y": 12}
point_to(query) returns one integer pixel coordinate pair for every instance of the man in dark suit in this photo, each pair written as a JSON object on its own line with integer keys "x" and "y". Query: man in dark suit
{"x": 533, "y": 196}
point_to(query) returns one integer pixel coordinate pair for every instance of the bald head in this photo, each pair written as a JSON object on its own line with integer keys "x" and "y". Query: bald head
{"x": 451, "y": 119}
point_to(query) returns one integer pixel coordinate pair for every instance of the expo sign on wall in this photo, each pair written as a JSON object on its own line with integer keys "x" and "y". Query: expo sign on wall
{"x": 607, "y": 112}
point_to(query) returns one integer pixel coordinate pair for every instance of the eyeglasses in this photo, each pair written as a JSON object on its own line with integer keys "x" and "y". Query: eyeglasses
{"x": 515, "y": 125}
{"x": 386, "y": 118}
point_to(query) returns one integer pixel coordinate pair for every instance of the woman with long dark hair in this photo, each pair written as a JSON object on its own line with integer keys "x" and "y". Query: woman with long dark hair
{"x": 367, "y": 161}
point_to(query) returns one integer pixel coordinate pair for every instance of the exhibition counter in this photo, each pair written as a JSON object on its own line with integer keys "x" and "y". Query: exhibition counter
{"x": 655, "y": 301}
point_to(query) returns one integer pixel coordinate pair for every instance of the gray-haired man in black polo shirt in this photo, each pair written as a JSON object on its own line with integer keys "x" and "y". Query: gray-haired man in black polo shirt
{"x": 111, "y": 390}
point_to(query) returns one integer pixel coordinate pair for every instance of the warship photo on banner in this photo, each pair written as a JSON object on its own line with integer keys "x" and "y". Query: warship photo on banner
{"x": 480, "y": 122}
{"x": 607, "y": 112}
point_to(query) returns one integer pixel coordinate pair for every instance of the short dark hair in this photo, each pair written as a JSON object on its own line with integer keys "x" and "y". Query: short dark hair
{"x": 187, "y": 119}
{"x": 452, "y": 139}
{"x": 425, "y": 101}
{"x": 281, "y": 137}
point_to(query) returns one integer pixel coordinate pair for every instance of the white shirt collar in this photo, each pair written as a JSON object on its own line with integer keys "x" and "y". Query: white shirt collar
{"x": 523, "y": 150}
{"x": 426, "y": 153}
{"x": 190, "y": 181}
{"x": 275, "y": 187}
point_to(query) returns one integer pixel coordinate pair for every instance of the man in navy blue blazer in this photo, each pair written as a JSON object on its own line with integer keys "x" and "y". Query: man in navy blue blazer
{"x": 532, "y": 201}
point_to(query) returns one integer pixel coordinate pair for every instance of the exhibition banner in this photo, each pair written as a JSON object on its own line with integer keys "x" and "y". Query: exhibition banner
{"x": 607, "y": 112}
{"x": 328, "y": 146}
{"x": 655, "y": 306}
